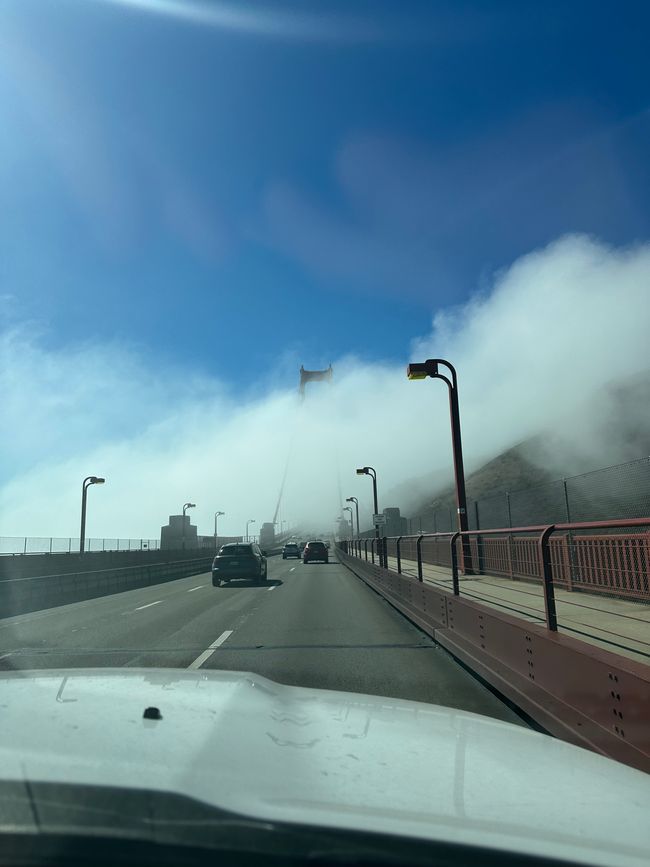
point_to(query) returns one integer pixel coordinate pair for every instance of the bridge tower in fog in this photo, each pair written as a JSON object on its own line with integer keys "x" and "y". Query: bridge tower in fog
{"x": 313, "y": 376}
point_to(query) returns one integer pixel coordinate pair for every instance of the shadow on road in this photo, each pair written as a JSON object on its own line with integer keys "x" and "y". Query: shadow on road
{"x": 250, "y": 582}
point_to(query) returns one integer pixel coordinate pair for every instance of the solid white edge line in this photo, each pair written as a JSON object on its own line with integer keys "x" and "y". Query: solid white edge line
{"x": 148, "y": 605}
{"x": 198, "y": 662}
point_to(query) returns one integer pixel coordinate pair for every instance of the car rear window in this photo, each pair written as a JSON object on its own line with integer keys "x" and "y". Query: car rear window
{"x": 317, "y": 544}
{"x": 291, "y": 545}
{"x": 235, "y": 550}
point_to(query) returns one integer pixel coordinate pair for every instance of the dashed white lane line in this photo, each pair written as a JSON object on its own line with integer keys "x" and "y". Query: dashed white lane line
{"x": 272, "y": 588}
{"x": 148, "y": 605}
{"x": 292, "y": 568}
{"x": 198, "y": 662}
{"x": 192, "y": 589}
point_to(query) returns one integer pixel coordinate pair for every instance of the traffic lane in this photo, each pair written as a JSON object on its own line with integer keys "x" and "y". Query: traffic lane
{"x": 224, "y": 609}
{"x": 313, "y": 625}
{"x": 327, "y": 629}
{"x": 171, "y": 622}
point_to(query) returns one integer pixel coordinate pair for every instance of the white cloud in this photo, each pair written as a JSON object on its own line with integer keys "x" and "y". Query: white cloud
{"x": 558, "y": 325}
{"x": 531, "y": 354}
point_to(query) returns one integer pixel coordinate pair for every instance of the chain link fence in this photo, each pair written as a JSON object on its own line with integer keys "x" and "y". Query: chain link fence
{"x": 617, "y": 492}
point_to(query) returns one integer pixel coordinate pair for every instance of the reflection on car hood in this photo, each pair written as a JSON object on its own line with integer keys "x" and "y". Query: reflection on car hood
{"x": 249, "y": 745}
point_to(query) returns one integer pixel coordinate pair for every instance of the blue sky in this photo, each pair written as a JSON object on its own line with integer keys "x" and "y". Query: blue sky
{"x": 199, "y": 196}
{"x": 266, "y": 185}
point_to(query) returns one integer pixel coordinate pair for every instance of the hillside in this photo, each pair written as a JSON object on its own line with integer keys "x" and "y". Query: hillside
{"x": 611, "y": 430}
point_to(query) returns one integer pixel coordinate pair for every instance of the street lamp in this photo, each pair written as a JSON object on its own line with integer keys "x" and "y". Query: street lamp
{"x": 216, "y": 515}
{"x": 88, "y": 481}
{"x": 356, "y": 503}
{"x": 349, "y": 509}
{"x": 422, "y": 371}
{"x": 251, "y": 521}
{"x": 370, "y": 471}
{"x": 186, "y": 506}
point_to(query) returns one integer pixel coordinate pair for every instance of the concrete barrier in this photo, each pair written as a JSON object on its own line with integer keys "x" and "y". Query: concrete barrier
{"x": 21, "y": 595}
{"x": 36, "y": 565}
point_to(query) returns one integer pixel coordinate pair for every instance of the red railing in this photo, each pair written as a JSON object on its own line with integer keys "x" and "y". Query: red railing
{"x": 571, "y": 556}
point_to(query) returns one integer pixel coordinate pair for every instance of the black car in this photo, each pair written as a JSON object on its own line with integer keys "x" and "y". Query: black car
{"x": 291, "y": 549}
{"x": 239, "y": 560}
{"x": 315, "y": 551}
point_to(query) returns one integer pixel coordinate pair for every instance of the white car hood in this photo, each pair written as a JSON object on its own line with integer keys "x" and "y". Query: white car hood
{"x": 246, "y": 744}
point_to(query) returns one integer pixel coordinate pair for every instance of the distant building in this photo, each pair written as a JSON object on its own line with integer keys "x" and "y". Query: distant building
{"x": 179, "y": 534}
{"x": 209, "y": 541}
{"x": 267, "y": 535}
{"x": 344, "y": 529}
{"x": 395, "y": 523}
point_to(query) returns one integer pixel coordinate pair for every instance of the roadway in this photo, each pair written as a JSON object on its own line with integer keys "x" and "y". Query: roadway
{"x": 316, "y": 626}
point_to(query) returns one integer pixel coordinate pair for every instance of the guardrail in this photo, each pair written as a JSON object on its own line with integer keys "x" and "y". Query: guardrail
{"x": 616, "y": 564}
{"x": 557, "y": 623}
{"x": 26, "y": 545}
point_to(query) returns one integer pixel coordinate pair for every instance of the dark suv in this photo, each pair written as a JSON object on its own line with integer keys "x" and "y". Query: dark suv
{"x": 239, "y": 560}
{"x": 315, "y": 551}
{"x": 291, "y": 549}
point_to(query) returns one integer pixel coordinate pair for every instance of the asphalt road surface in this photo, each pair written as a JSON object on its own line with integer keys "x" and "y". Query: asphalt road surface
{"x": 313, "y": 625}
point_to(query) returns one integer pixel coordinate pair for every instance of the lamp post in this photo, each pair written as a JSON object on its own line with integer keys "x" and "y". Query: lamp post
{"x": 356, "y": 503}
{"x": 349, "y": 509}
{"x": 422, "y": 371}
{"x": 216, "y": 515}
{"x": 370, "y": 471}
{"x": 186, "y": 506}
{"x": 87, "y": 482}
{"x": 251, "y": 521}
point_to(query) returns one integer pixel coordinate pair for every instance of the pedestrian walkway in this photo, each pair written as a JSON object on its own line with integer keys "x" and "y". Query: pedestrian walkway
{"x": 618, "y": 625}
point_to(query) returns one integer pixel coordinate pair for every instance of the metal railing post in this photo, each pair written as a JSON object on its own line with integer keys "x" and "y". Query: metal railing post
{"x": 372, "y": 550}
{"x": 479, "y": 553}
{"x": 547, "y": 575}
{"x": 418, "y": 548}
{"x": 511, "y": 547}
{"x": 399, "y": 556}
{"x": 573, "y": 566}
{"x": 454, "y": 565}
